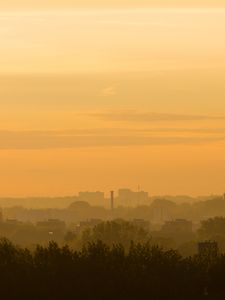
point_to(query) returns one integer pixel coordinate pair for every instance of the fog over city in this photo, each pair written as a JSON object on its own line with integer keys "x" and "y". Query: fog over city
{"x": 112, "y": 142}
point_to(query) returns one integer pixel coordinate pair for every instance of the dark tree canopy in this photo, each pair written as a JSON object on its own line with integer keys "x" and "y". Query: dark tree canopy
{"x": 99, "y": 271}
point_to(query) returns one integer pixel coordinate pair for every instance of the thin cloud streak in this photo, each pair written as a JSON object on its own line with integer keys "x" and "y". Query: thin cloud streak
{"x": 71, "y": 139}
{"x": 108, "y": 91}
{"x": 152, "y": 117}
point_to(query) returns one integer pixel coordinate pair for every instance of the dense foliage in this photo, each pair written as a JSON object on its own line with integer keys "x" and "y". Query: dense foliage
{"x": 115, "y": 232}
{"x": 212, "y": 227}
{"x": 103, "y": 272}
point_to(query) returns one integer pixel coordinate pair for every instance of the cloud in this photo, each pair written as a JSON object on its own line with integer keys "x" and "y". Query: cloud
{"x": 108, "y": 91}
{"x": 140, "y": 23}
{"x": 102, "y": 138}
{"x": 151, "y": 117}
{"x": 107, "y": 3}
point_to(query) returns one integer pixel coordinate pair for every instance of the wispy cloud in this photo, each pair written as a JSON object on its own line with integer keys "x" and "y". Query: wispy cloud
{"x": 133, "y": 116}
{"x": 140, "y": 23}
{"x": 108, "y": 91}
{"x": 114, "y": 137}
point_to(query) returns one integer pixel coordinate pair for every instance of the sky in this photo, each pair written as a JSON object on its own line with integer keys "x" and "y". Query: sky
{"x": 97, "y": 95}
{"x": 107, "y": 3}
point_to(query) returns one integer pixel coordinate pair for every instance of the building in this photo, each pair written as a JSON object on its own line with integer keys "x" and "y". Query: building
{"x": 52, "y": 225}
{"x": 141, "y": 223}
{"x": 13, "y": 222}
{"x": 126, "y": 197}
{"x": 160, "y": 214}
{"x": 87, "y": 224}
{"x": 179, "y": 226}
{"x": 1, "y": 216}
{"x": 112, "y": 200}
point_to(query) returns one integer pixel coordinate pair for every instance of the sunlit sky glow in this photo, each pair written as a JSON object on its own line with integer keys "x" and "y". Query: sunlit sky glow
{"x": 101, "y": 96}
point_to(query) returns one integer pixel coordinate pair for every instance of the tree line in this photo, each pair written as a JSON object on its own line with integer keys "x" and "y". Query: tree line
{"x": 99, "y": 271}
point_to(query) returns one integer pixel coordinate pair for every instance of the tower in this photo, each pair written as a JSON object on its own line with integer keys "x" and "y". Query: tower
{"x": 112, "y": 200}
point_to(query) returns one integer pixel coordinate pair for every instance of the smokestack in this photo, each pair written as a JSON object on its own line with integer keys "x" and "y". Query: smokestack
{"x": 112, "y": 200}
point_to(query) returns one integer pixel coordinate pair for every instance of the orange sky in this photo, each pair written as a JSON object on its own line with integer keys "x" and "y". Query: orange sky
{"x": 100, "y": 98}
{"x": 107, "y": 3}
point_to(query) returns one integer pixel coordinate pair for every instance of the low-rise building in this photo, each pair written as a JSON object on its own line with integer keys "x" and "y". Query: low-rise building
{"x": 177, "y": 226}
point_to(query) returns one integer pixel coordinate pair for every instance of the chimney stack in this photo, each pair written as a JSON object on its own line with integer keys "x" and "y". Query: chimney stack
{"x": 112, "y": 200}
